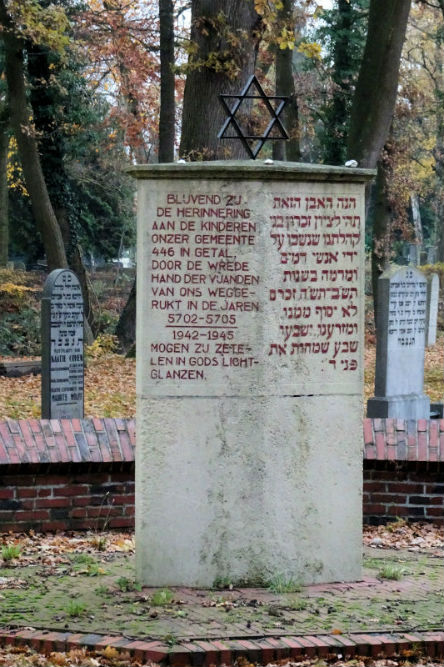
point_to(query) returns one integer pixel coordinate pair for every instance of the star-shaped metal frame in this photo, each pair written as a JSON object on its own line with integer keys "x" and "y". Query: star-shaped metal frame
{"x": 274, "y": 113}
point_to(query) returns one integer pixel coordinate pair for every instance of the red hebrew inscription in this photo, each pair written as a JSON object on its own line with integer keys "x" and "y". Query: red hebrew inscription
{"x": 319, "y": 268}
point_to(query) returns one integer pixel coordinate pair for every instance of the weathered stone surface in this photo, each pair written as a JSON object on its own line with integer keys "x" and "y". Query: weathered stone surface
{"x": 401, "y": 324}
{"x": 432, "y": 308}
{"x": 62, "y": 346}
{"x": 250, "y": 330}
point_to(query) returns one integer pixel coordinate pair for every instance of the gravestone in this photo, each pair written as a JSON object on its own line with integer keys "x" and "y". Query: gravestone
{"x": 414, "y": 254}
{"x": 249, "y": 372}
{"x": 400, "y": 343}
{"x": 432, "y": 308}
{"x": 431, "y": 254}
{"x": 62, "y": 346}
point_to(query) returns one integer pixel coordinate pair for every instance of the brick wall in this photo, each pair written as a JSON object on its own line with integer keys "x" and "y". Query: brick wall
{"x": 79, "y": 474}
{"x": 49, "y": 499}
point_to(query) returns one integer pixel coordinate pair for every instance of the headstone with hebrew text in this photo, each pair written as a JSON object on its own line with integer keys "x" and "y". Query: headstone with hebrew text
{"x": 62, "y": 346}
{"x": 249, "y": 372}
{"x": 400, "y": 348}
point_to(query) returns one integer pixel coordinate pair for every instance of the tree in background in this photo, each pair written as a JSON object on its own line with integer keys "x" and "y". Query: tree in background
{"x": 4, "y": 145}
{"x": 342, "y": 34}
{"x": 53, "y": 23}
{"x": 222, "y": 54}
{"x": 374, "y": 103}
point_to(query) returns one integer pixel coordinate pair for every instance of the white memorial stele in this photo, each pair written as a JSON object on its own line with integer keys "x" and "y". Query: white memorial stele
{"x": 249, "y": 372}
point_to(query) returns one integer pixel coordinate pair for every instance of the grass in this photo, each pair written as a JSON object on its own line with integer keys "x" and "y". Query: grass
{"x": 10, "y": 552}
{"x": 391, "y": 572}
{"x": 75, "y": 608}
{"x": 279, "y": 583}
{"x": 162, "y": 597}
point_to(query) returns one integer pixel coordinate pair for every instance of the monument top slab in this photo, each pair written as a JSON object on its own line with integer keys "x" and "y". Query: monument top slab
{"x": 249, "y": 169}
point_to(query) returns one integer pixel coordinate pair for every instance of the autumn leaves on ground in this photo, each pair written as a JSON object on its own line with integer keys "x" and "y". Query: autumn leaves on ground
{"x": 109, "y": 377}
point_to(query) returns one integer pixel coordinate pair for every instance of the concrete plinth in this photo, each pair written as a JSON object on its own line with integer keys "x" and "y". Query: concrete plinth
{"x": 399, "y": 407}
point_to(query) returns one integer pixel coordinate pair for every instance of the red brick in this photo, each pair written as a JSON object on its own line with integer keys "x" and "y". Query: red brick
{"x": 294, "y": 646}
{"x": 53, "y": 502}
{"x": 34, "y": 425}
{"x": 75, "y": 490}
{"x": 368, "y": 431}
{"x": 369, "y": 644}
{"x": 422, "y": 424}
{"x": 308, "y": 645}
{"x": 212, "y": 653}
{"x": 6, "y": 494}
{"x": 26, "y": 492}
{"x": 44, "y": 493}
{"x": 80, "y": 512}
{"x": 406, "y": 487}
{"x": 380, "y": 446}
{"x": 126, "y": 447}
{"x": 374, "y": 509}
{"x": 267, "y": 651}
{"x": 76, "y": 425}
{"x": 179, "y": 656}
{"x": 422, "y": 446}
{"x": 370, "y": 487}
{"x": 39, "y": 515}
{"x": 321, "y": 648}
{"x": 55, "y": 425}
{"x": 98, "y": 424}
{"x": 121, "y": 522}
{"x": 129, "y": 499}
{"x": 388, "y": 498}
{"x": 20, "y": 448}
{"x": 434, "y": 512}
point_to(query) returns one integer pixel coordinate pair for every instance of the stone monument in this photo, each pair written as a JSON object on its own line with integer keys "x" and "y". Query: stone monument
{"x": 62, "y": 346}
{"x": 249, "y": 372}
{"x": 400, "y": 343}
{"x": 432, "y": 308}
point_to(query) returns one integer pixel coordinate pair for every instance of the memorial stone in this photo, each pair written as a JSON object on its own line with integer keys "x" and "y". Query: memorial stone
{"x": 62, "y": 346}
{"x": 432, "y": 308}
{"x": 400, "y": 343}
{"x": 249, "y": 372}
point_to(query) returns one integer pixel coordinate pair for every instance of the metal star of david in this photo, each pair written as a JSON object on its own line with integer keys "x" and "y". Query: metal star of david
{"x": 247, "y": 138}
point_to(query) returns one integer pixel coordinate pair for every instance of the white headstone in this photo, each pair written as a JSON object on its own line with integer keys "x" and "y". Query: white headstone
{"x": 432, "y": 308}
{"x": 249, "y": 372}
{"x": 401, "y": 324}
{"x": 62, "y": 346}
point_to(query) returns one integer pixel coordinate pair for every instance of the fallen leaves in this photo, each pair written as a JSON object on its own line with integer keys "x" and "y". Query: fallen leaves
{"x": 416, "y": 536}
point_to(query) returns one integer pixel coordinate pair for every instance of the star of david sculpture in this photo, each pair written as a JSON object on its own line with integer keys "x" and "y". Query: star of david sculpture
{"x": 232, "y": 122}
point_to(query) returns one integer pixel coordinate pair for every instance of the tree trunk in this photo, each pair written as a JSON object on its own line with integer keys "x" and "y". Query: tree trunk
{"x": 27, "y": 146}
{"x": 217, "y": 67}
{"x": 167, "y": 82}
{"x": 374, "y": 101}
{"x": 4, "y": 219}
{"x": 381, "y": 215}
{"x": 438, "y": 151}
{"x": 126, "y": 326}
{"x": 287, "y": 150}
{"x": 376, "y": 88}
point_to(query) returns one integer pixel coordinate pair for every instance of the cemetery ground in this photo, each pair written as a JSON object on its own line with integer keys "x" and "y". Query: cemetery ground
{"x": 84, "y": 583}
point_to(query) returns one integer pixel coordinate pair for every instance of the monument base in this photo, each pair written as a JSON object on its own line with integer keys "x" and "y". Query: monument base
{"x": 409, "y": 406}
{"x": 436, "y": 410}
{"x": 241, "y": 489}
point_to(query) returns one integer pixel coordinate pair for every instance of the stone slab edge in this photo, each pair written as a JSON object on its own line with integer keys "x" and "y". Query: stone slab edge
{"x": 260, "y": 650}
